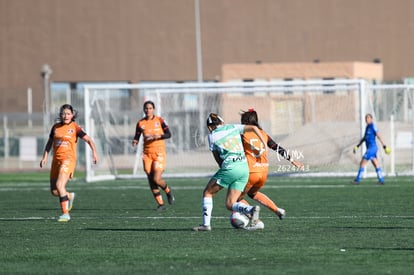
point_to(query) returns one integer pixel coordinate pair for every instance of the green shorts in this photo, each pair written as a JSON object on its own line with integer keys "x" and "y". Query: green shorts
{"x": 234, "y": 177}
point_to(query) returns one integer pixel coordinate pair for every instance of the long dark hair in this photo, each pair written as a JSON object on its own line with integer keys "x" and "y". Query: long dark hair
{"x": 67, "y": 107}
{"x": 250, "y": 117}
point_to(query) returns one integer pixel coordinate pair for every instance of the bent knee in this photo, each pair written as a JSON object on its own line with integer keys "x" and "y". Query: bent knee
{"x": 55, "y": 192}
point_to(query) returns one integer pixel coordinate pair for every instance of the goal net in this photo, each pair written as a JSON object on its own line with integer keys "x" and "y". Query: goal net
{"x": 317, "y": 122}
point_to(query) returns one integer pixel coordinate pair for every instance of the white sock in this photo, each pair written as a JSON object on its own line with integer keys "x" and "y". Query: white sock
{"x": 242, "y": 208}
{"x": 207, "y": 209}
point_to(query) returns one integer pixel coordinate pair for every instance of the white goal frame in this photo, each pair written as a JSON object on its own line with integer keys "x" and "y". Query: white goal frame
{"x": 361, "y": 87}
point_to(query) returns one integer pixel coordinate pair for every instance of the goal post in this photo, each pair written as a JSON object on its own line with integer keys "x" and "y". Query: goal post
{"x": 317, "y": 121}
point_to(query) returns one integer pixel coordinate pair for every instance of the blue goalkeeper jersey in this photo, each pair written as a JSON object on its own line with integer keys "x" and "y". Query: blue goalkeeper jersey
{"x": 370, "y": 136}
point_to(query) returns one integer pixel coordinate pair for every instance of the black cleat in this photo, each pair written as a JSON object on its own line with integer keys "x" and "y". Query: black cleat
{"x": 170, "y": 197}
{"x": 161, "y": 207}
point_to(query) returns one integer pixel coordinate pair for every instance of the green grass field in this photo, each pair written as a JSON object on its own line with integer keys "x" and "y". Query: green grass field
{"x": 332, "y": 227}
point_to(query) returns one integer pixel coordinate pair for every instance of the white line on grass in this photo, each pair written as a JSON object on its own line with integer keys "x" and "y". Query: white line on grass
{"x": 218, "y": 217}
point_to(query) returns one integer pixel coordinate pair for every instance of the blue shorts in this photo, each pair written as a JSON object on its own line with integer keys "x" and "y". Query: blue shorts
{"x": 233, "y": 178}
{"x": 371, "y": 153}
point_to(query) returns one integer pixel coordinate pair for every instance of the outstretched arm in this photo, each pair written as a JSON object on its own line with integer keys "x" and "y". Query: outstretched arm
{"x": 276, "y": 147}
{"x": 91, "y": 144}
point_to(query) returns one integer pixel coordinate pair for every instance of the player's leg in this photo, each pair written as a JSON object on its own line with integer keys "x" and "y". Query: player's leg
{"x": 147, "y": 163}
{"x": 236, "y": 185}
{"x": 361, "y": 170}
{"x": 378, "y": 170}
{"x": 61, "y": 182}
{"x": 207, "y": 204}
{"x": 157, "y": 169}
{"x": 258, "y": 180}
{"x": 54, "y": 173}
{"x": 156, "y": 193}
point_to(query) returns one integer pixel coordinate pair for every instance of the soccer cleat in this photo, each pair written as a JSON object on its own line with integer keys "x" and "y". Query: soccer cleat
{"x": 281, "y": 213}
{"x": 161, "y": 207}
{"x": 170, "y": 197}
{"x": 380, "y": 183}
{"x": 72, "y": 198}
{"x": 259, "y": 226}
{"x": 354, "y": 182}
{"x": 255, "y": 215}
{"x": 202, "y": 228}
{"x": 64, "y": 218}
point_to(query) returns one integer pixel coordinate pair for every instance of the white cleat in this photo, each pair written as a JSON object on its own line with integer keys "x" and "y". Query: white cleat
{"x": 259, "y": 226}
{"x": 281, "y": 213}
{"x": 255, "y": 215}
{"x": 202, "y": 228}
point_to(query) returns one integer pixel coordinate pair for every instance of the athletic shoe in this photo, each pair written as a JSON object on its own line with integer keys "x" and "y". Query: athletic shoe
{"x": 259, "y": 226}
{"x": 255, "y": 215}
{"x": 202, "y": 227}
{"x": 64, "y": 218}
{"x": 170, "y": 197}
{"x": 161, "y": 207}
{"x": 72, "y": 198}
{"x": 281, "y": 213}
{"x": 380, "y": 183}
{"x": 355, "y": 182}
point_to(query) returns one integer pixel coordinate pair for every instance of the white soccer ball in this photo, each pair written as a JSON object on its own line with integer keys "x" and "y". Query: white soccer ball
{"x": 238, "y": 220}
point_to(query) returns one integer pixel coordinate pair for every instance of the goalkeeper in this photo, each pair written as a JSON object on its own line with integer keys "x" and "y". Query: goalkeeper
{"x": 371, "y": 133}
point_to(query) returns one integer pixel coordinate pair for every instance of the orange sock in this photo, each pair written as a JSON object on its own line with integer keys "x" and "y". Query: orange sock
{"x": 263, "y": 199}
{"x": 158, "y": 198}
{"x": 167, "y": 189}
{"x": 64, "y": 204}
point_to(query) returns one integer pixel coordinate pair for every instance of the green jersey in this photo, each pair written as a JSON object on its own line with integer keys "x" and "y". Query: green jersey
{"x": 226, "y": 140}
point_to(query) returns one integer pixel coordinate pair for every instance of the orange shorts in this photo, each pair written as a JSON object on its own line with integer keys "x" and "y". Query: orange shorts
{"x": 153, "y": 162}
{"x": 66, "y": 166}
{"x": 255, "y": 183}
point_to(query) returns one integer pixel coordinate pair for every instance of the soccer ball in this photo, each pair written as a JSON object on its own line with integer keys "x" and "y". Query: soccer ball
{"x": 238, "y": 220}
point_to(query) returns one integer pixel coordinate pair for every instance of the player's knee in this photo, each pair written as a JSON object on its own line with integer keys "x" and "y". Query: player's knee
{"x": 54, "y": 192}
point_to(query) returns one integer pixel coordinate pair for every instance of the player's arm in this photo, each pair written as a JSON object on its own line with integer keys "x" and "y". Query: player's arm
{"x": 386, "y": 149}
{"x": 217, "y": 158}
{"x": 167, "y": 132}
{"x": 138, "y": 132}
{"x": 91, "y": 144}
{"x": 48, "y": 147}
{"x": 358, "y": 145}
{"x": 281, "y": 151}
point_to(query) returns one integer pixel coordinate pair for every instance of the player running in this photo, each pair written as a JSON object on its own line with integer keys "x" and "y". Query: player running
{"x": 258, "y": 162}
{"x": 371, "y": 133}
{"x": 63, "y": 137}
{"x": 155, "y": 130}
{"x": 226, "y": 145}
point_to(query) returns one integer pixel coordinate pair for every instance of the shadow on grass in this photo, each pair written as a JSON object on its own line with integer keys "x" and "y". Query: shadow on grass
{"x": 373, "y": 227}
{"x": 382, "y": 248}
{"x": 139, "y": 229}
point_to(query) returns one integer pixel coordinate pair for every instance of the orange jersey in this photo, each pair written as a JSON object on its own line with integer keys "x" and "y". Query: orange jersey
{"x": 65, "y": 137}
{"x": 255, "y": 152}
{"x": 154, "y": 126}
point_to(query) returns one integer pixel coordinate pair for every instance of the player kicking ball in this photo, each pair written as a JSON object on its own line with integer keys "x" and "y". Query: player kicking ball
{"x": 227, "y": 148}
